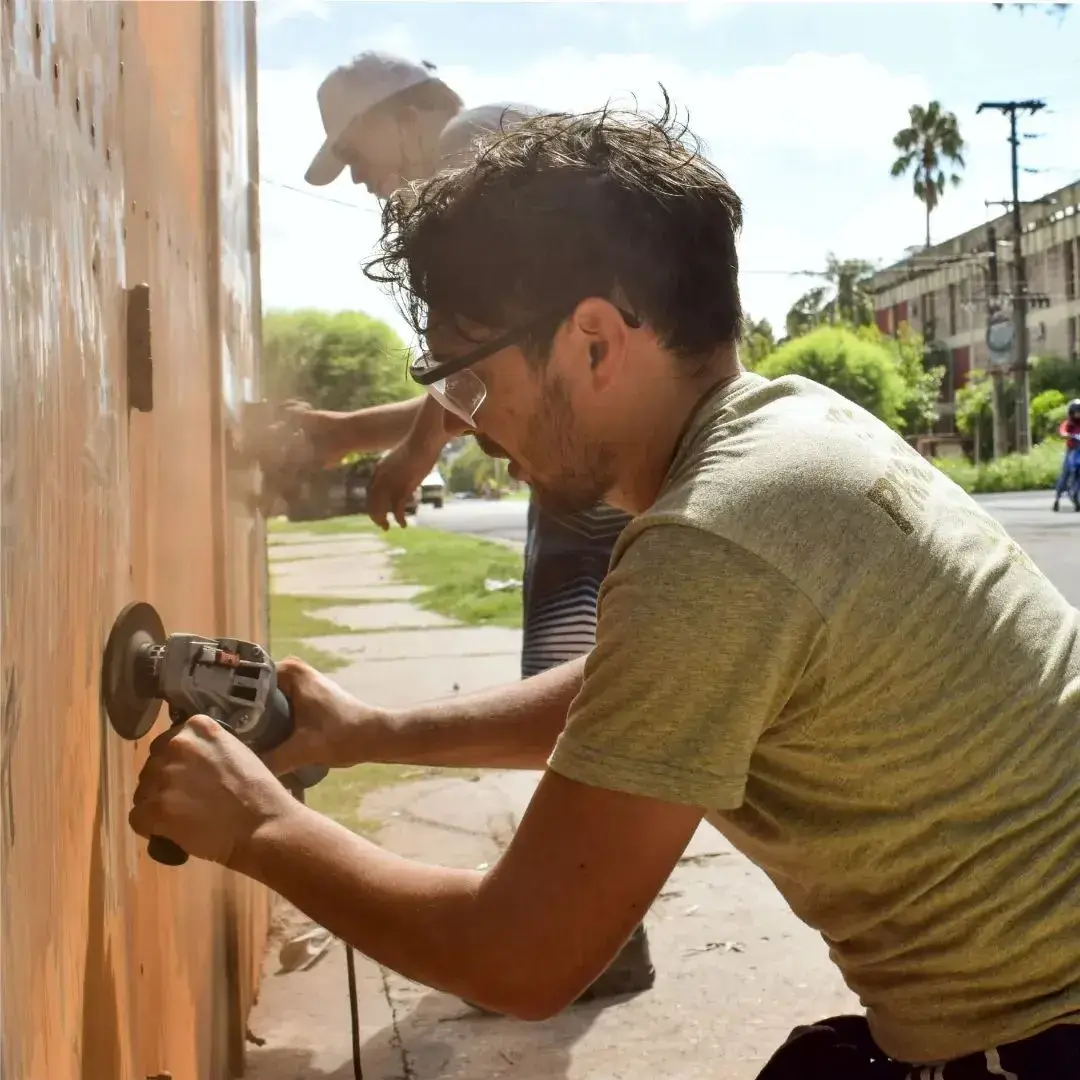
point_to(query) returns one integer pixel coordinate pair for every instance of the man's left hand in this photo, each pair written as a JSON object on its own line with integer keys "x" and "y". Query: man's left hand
{"x": 202, "y": 788}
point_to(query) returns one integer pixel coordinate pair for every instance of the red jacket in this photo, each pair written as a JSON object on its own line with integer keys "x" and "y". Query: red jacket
{"x": 1070, "y": 432}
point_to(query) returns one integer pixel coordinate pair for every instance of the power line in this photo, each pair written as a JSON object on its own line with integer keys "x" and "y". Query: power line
{"x": 317, "y": 195}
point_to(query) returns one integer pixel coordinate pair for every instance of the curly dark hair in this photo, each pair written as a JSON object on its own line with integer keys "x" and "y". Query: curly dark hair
{"x": 563, "y": 207}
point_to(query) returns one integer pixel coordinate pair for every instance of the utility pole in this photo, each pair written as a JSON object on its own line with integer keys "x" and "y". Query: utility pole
{"x": 1019, "y": 289}
{"x": 997, "y": 375}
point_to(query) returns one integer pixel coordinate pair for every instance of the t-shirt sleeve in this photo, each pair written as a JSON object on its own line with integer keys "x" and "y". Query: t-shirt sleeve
{"x": 700, "y": 646}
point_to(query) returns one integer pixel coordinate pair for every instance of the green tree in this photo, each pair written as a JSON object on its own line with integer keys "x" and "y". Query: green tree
{"x": 921, "y": 372}
{"x": 1055, "y": 373}
{"x": 757, "y": 342}
{"x": 930, "y": 149}
{"x": 1060, "y": 10}
{"x": 864, "y": 371}
{"x": 342, "y": 360}
{"x": 851, "y": 301}
{"x": 807, "y": 312}
{"x": 845, "y": 298}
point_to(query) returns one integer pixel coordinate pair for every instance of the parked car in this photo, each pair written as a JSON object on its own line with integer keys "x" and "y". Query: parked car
{"x": 433, "y": 490}
{"x": 333, "y": 492}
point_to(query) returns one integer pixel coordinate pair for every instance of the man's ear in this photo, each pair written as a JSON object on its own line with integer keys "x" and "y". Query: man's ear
{"x": 604, "y": 331}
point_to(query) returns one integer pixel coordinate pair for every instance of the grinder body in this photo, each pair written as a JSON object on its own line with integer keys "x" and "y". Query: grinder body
{"x": 232, "y": 681}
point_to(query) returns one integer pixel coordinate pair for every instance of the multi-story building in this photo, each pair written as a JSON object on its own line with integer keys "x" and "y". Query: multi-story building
{"x": 946, "y": 292}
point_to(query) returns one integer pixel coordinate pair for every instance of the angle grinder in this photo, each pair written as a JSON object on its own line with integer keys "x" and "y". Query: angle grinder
{"x": 233, "y": 682}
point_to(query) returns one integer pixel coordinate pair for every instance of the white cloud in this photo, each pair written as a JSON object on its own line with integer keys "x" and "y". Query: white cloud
{"x": 806, "y": 143}
{"x": 699, "y": 13}
{"x": 273, "y": 12}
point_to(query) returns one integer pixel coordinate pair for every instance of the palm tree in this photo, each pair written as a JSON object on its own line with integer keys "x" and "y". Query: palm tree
{"x": 852, "y": 302}
{"x": 807, "y": 312}
{"x": 844, "y": 298}
{"x": 929, "y": 146}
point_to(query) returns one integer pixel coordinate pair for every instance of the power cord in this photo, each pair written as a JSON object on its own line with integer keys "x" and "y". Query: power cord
{"x": 354, "y": 1009}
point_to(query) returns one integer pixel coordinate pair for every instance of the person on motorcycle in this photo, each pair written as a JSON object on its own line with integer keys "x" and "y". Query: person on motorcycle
{"x": 1070, "y": 432}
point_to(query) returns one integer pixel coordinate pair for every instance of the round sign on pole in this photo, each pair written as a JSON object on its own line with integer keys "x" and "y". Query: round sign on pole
{"x": 999, "y": 339}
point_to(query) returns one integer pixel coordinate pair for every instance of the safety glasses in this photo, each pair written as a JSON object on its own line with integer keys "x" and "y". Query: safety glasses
{"x": 461, "y": 391}
{"x": 450, "y": 382}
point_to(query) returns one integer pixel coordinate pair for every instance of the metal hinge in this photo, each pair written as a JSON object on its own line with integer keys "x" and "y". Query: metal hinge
{"x": 140, "y": 355}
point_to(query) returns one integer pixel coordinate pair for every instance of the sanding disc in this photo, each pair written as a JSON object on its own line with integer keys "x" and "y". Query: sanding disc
{"x": 132, "y": 715}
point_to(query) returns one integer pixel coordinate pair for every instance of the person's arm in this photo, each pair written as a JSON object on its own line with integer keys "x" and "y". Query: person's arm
{"x": 525, "y": 938}
{"x": 701, "y": 647}
{"x": 371, "y": 430}
{"x": 401, "y": 471}
{"x": 510, "y": 727}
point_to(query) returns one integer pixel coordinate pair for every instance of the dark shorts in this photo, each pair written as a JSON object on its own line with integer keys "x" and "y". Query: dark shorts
{"x": 842, "y": 1047}
{"x": 566, "y": 559}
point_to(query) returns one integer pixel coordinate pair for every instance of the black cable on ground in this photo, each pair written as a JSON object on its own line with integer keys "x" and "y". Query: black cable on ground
{"x": 354, "y": 1010}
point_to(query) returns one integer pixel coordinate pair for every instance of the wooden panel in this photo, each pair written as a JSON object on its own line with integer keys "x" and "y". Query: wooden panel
{"x": 113, "y": 967}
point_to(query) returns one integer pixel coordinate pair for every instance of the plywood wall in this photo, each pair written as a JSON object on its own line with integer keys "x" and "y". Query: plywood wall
{"x": 127, "y": 156}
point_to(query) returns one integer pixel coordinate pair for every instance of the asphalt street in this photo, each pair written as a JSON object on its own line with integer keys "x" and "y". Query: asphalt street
{"x": 1052, "y": 540}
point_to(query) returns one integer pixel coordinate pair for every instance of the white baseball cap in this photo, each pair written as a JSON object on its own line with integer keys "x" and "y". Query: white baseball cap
{"x": 354, "y": 88}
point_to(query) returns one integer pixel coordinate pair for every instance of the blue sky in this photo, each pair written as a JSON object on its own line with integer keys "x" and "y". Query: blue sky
{"x": 796, "y": 103}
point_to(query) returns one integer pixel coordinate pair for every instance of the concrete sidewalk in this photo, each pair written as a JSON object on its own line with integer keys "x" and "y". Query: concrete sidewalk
{"x": 735, "y": 970}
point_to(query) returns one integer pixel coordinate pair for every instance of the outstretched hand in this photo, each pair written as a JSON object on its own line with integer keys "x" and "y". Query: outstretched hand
{"x": 395, "y": 478}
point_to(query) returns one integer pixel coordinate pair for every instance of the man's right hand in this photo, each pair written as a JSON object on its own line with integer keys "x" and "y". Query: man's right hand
{"x": 326, "y": 431}
{"x": 330, "y": 727}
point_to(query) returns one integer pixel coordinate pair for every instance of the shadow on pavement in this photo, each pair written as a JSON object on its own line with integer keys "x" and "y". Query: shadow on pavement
{"x": 442, "y": 1038}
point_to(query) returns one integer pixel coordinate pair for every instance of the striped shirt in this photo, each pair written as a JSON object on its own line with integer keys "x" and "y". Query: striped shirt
{"x": 566, "y": 559}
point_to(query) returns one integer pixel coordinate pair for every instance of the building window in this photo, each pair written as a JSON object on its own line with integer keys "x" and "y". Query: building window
{"x": 952, "y": 310}
{"x": 1069, "y": 251}
{"x": 1074, "y": 338}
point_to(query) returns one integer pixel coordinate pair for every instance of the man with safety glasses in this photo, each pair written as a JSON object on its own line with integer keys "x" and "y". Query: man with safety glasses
{"x": 390, "y": 121}
{"x": 838, "y": 659}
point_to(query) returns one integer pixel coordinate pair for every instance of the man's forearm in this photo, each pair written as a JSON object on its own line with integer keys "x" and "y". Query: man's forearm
{"x": 510, "y": 727}
{"x": 418, "y": 920}
{"x": 377, "y": 428}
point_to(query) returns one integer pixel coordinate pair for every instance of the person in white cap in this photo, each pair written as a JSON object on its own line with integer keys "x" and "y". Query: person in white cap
{"x": 383, "y": 117}
{"x": 390, "y": 121}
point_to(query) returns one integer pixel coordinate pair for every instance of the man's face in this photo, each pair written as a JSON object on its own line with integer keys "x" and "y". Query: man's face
{"x": 552, "y": 419}
{"x": 386, "y": 148}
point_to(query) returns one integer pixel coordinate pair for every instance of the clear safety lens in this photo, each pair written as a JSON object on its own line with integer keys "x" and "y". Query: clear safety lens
{"x": 461, "y": 393}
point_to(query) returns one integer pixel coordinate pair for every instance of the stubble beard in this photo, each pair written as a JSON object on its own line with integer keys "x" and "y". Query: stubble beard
{"x": 584, "y": 474}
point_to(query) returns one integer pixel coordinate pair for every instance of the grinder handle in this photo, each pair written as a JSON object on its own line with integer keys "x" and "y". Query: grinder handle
{"x": 278, "y": 721}
{"x": 279, "y": 727}
{"x": 165, "y": 851}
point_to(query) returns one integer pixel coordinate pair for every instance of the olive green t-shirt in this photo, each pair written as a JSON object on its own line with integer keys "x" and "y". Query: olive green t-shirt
{"x": 873, "y": 693}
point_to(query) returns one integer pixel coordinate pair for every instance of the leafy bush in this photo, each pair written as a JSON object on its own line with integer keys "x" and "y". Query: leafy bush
{"x": 885, "y": 377}
{"x": 1036, "y": 471}
{"x": 1047, "y": 412}
{"x": 1055, "y": 373}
